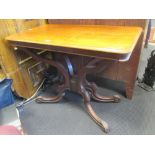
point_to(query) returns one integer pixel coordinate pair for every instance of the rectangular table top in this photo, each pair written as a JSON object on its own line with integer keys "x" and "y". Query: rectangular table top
{"x": 95, "y": 39}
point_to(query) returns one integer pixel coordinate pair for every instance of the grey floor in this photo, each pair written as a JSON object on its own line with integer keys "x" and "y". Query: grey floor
{"x": 130, "y": 117}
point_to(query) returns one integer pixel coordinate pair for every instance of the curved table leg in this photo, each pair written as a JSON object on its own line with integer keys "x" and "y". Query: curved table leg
{"x": 54, "y": 99}
{"x": 82, "y": 90}
{"x": 91, "y": 112}
{"x": 61, "y": 89}
{"x": 92, "y": 89}
{"x": 83, "y": 87}
{"x": 60, "y": 93}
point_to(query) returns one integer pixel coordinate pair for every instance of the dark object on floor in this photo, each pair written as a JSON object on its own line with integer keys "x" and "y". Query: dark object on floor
{"x": 6, "y": 96}
{"x": 149, "y": 75}
{"x": 9, "y": 130}
{"x": 50, "y": 76}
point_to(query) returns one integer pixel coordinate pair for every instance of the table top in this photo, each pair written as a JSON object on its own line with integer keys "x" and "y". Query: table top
{"x": 98, "y": 38}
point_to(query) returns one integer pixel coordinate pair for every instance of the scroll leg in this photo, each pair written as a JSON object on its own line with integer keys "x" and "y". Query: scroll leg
{"x": 53, "y": 99}
{"x": 61, "y": 92}
{"x": 92, "y": 88}
{"x": 92, "y": 113}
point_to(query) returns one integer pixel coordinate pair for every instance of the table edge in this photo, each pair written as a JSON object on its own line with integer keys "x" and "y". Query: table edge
{"x": 71, "y": 50}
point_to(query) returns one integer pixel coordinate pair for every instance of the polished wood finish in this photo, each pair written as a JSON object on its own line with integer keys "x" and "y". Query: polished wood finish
{"x": 121, "y": 71}
{"x": 11, "y": 66}
{"x": 46, "y": 37}
{"x": 109, "y": 39}
{"x": 76, "y": 82}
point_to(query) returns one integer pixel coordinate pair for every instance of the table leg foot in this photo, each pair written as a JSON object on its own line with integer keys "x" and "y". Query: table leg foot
{"x": 92, "y": 89}
{"x": 104, "y": 126}
{"x": 108, "y": 99}
{"x": 54, "y": 99}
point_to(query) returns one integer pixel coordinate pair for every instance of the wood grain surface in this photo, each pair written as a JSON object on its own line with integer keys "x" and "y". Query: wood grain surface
{"x": 110, "y": 39}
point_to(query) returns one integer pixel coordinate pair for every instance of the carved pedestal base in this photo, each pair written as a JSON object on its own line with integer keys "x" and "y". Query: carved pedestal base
{"x": 77, "y": 82}
{"x": 90, "y": 91}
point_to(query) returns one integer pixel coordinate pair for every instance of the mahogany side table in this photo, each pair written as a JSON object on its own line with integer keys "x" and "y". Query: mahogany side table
{"x": 95, "y": 41}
